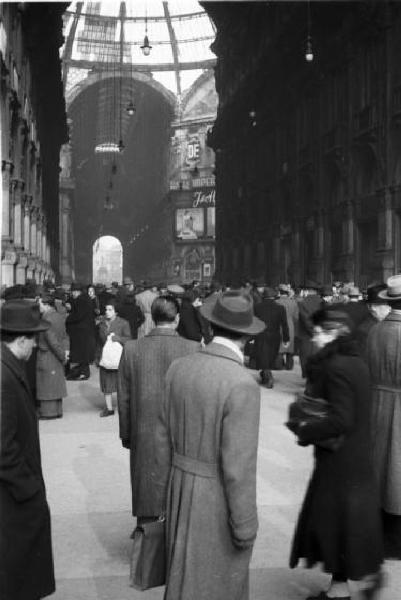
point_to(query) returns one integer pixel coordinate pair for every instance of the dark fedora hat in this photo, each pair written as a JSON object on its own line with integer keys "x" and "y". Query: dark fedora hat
{"x": 76, "y": 286}
{"x": 233, "y": 310}
{"x": 21, "y": 316}
{"x": 393, "y": 291}
{"x": 372, "y": 294}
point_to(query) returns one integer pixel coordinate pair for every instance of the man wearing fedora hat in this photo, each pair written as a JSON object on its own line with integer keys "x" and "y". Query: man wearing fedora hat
{"x": 26, "y": 560}
{"x": 211, "y": 423}
{"x": 384, "y": 352}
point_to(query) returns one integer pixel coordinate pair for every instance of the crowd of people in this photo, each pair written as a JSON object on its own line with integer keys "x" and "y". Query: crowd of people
{"x": 189, "y": 362}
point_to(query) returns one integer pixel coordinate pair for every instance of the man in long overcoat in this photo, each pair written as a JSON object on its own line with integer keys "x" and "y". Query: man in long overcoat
{"x": 81, "y": 330}
{"x": 212, "y": 422}
{"x": 26, "y": 561}
{"x": 384, "y": 360}
{"x": 141, "y": 375}
{"x": 267, "y": 343}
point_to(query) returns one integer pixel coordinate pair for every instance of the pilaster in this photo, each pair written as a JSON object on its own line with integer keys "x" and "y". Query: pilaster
{"x": 7, "y": 168}
{"x": 18, "y": 220}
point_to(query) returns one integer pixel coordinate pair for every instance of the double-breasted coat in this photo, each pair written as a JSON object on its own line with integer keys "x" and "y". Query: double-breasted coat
{"x": 212, "y": 416}
{"x": 26, "y": 561}
{"x": 267, "y": 343}
{"x": 52, "y": 344}
{"x": 141, "y": 389}
{"x": 340, "y": 523}
{"x": 81, "y": 331}
{"x": 384, "y": 359}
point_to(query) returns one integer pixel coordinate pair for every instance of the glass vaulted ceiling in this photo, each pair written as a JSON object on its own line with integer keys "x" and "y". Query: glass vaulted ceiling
{"x": 106, "y": 35}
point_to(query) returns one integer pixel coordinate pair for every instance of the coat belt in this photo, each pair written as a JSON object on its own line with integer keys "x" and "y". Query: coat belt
{"x": 194, "y": 466}
{"x": 387, "y": 388}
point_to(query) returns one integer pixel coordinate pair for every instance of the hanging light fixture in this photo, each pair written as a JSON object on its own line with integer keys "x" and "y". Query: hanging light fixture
{"x": 309, "y": 50}
{"x": 131, "y": 110}
{"x": 146, "y": 47}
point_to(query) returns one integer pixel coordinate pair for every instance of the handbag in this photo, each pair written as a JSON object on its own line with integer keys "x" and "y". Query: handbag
{"x": 148, "y": 555}
{"x": 309, "y": 409}
{"x": 111, "y": 355}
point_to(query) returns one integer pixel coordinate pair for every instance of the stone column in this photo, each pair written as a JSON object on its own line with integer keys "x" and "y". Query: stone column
{"x": 386, "y": 235}
{"x": 8, "y": 260}
{"x": 349, "y": 242}
{"x": 39, "y": 222}
{"x": 33, "y": 236}
{"x": 17, "y": 234}
{"x": 66, "y": 234}
{"x": 20, "y": 268}
{"x": 27, "y": 209}
{"x": 7, "y": 168}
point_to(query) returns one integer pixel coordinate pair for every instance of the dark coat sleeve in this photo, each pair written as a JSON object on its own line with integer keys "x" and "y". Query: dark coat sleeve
{"x": 342, "y": 411}
{"x": 123, "y": 397}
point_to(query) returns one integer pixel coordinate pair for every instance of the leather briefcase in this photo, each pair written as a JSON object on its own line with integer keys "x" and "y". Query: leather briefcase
{"x": 148, "y": 556}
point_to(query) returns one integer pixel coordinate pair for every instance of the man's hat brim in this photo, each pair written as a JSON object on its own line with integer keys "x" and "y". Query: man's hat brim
{"x": 207, "y": 308}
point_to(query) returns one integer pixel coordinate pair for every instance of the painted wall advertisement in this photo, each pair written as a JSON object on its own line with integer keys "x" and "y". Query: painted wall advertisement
{"x": 197, "y": 221}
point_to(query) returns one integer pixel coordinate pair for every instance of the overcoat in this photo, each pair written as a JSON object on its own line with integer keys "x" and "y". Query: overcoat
{"x": 52, "y": 344}
{"x": 80, "y": 328}
{"x": 26, "y": 561}
{"x": 141, "y": 389}
{"x": 292, "y": 312}
{"x": 267, "y": 343}
{"x": 212, "y": 413}
{"x": 384, "y": 359}
{"x": 340, "y": 523}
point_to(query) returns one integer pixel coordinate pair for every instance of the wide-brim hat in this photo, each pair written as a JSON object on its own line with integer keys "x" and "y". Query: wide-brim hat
{"x": 174, "y": 288}
{"x": 21, "y": 316}
{"x": 372, "y": 294}
{"x": 76, "y": 286}
{"x": 269, "y": 293}
{"x": 232, "y": 310}
{"x": 393, "y": 291}
{"x": 128, "y": 281}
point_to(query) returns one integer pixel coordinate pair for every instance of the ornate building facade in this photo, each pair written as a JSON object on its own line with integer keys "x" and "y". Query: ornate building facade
{"x": 191, "y": 198}
{"x": 308, "y": 167}
{"x": 33, "y": 128}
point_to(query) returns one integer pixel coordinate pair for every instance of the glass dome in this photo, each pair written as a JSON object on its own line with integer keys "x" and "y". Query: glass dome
{"x": 109, "y": 35}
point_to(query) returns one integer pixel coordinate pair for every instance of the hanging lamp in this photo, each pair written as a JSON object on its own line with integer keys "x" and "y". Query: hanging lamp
{"x": 146, "y": 47}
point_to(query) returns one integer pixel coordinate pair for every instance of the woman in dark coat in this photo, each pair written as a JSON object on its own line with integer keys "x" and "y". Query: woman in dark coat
{"x": 119, "y": 331}
{"x": 339, "y": 525}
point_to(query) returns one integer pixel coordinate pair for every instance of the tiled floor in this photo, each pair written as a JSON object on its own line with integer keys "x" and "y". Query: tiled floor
{"x": 87, "y": 477}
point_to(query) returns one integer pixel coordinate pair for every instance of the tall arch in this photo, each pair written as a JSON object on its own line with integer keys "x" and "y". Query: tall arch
{"x": 107, "y": 260}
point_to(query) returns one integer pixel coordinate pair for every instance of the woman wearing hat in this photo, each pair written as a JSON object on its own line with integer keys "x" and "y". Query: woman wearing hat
{"x": 339, "y": 525}
{"x": 384, "y": 359}
{"x": 26, "y": 560}
{"x": 52, "y": 355}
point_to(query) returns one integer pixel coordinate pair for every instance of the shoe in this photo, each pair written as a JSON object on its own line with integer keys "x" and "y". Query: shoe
{"x": 106, "y": 413}
{"x": 324, "y": 596}
{"x": 82, "y": 377}
{"x": 378, "y": 581}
